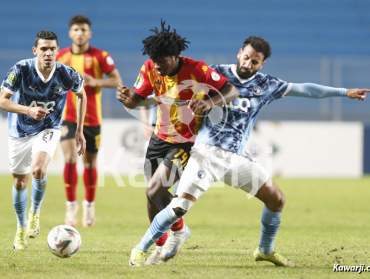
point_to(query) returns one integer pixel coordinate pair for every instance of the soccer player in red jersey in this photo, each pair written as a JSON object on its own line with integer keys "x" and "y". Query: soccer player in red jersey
{"x": 92, "y": 64}
{"x": 166, "y": 74}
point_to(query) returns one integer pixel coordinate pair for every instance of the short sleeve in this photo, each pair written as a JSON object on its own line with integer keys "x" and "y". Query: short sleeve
{"x": 142, "y": 85}
{"x": 107, "y": 63}
{"x": 12, "y": 81}
{"x": 276, "y": 88}
{"x": 77, "y": 82}
{"x": 212, "y": 77}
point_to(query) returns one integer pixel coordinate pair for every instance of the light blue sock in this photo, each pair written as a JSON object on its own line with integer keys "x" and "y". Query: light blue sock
{"x": 160, "y": 224}
{"x": 20, "y": 206}
{"x": 38, "y": 192}
{"x": 270, "y": 225}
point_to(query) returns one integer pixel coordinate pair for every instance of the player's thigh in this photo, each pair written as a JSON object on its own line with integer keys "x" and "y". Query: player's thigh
{"x": 197, "y": 176}
{"x": 44, "y": 147}
{"x": 20, "y": 155}
{"x": 68, "y": 142}
{"x": 92, "y": 136}
{"x": 246, "y": 174}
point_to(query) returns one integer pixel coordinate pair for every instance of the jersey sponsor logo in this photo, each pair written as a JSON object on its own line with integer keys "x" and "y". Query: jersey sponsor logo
{"x": 139, "y": 81}
{"x": 215, "y": 76}
{"x": 48, "y": 106}
{"x": 109, "y": 60}
{"x": 242, "y": 104}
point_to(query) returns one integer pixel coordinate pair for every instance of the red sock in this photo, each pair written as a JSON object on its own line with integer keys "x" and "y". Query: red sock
{"x": 70, "y": 181}
{"x": 90, "y": 178}
{"x": 178, "y": 225}
{"x": 162, "y": 240}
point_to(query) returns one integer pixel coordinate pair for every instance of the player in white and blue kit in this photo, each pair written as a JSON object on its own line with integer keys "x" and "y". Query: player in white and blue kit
{"x": 34, "y": 94}
{"x": 219, "y": 150}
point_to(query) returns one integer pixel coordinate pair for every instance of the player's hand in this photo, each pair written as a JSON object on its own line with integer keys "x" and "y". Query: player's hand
{"x": 123, "y": 94}
{"x": 90, "y": 81}
{"x": 80, "y": 142}
{"x": 358, "y": 93}
{"x": 37, "y": 113}
{"x": 199, "y": 107}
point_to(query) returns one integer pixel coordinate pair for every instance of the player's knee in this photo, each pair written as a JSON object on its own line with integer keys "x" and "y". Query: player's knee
{"x": 38, "y": 172}
{"x": 180, "y": 206}
{"x": 179, "y": 211}
{"x": 20, "y": 183}
{"x": 278, "y": 201}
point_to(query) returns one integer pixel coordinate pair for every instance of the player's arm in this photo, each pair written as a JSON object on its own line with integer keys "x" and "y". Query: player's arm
{"x": 6, "y": 104}
{"x": 112, "y": 80}
{"x": 312, "y": 90}
{"x": 128, "y": 97}
{"x": 80, "y": 139}
{"x": 228, "y": 93}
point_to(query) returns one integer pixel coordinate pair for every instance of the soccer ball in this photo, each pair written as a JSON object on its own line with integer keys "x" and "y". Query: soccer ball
{"x": 64, "y": 241}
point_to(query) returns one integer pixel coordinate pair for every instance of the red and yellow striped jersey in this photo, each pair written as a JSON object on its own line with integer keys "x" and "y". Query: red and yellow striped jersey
{"x": 94, "y": 62}
{"x": 176, "y": 122}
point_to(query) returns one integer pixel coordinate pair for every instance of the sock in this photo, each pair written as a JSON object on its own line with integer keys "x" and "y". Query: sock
{"x": 178, "y": 225}
{"x": 70, "y": 181}
{"x": 270, "y": 225}
{"x": 162, "y": 240}
{"x": 90, "y": 179}
{"x": 160, "y": 224}
{"x": 38, "y": 192}
{"x": 20, "y": 206}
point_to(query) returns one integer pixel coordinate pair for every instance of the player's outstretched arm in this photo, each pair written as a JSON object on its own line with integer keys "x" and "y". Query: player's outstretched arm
{"x": 6, "y": 104}
{"x": 80, "y": 139}
{"x": 127, "y": 97}
{"x": 312, "y": 90}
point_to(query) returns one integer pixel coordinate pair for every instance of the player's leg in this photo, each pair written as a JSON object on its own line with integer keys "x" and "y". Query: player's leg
{"x": 188, "y": 192}
{"x": 253, "y": 179}
{"x": 70, "y": 175}
{"x": 90, "y": 177}
{"x": 19, "y": 195}
{"x": 20, "y": 158}
{"x": 43, "y": 150}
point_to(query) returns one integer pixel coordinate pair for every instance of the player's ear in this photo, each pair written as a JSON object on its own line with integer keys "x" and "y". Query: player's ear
{"x": 239, "y": 53}
{"x": 34, "y": 51}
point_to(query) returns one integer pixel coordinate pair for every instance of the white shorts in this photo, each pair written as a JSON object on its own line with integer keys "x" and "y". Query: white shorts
{"x": 22, "y": 150}
{"x": 208, "y": 164}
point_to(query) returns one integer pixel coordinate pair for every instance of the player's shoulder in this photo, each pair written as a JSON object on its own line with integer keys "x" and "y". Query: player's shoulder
{"x": 222, "y": 68}
{"x": 25, "y": 63}
{"x": 64, "y": 69}
{"x": 94, "y": 51}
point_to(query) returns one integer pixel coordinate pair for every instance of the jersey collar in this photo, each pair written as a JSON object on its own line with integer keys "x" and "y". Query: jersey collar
{"x": 40, "y": 74}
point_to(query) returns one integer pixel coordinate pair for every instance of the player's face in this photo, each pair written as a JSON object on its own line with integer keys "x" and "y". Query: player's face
{"x": 46, "y": 51}
{"x": 80, "y": 34}
{"x": 249, "y": 62}
{"x": 167, "y": 65}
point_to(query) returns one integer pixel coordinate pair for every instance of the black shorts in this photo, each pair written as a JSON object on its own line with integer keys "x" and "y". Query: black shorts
{"x": 171, "y": 154}
{"x": 91, "y": 133}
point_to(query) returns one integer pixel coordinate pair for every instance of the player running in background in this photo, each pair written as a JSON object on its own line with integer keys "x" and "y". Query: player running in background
{"x": 34, "y": 93}
{"x": 218, "y": 151}
{"x": 92, "y": 64}
{"x": 168, "y": 151}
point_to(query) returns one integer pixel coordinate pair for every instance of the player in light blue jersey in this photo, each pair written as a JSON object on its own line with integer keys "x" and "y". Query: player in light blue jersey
{"x": 34, "y": 94}
{"x": 218, "y": 153}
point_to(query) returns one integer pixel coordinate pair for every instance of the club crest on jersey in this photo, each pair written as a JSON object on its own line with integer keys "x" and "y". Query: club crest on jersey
{"x": 256, "y": 90}
{"x": 215, "y": 76}
{"x": 11, "y": 78}
{"x": 201, "y": 174}
{"x": 58, "y": 90}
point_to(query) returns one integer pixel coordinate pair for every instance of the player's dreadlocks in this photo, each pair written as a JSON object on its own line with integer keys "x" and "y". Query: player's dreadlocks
{"x": 164, "y": 42}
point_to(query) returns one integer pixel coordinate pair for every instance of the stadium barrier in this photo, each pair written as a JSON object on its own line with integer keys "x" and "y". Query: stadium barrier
{"x": 289, "y": 149}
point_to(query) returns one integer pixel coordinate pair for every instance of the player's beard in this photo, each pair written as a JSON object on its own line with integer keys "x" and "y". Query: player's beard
{"x": 243, "y": 72}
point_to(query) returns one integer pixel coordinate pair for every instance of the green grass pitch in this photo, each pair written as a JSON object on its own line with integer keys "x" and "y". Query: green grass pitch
{"x": 325, "y": 221}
